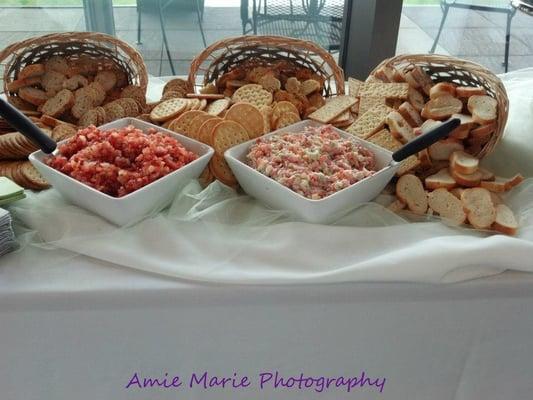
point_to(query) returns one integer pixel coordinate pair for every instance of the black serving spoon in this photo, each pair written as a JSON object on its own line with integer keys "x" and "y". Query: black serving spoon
{"x": 24, "y": 125}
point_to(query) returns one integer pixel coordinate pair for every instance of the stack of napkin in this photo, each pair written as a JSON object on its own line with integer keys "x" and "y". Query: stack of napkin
{"x": 9, "y": 192}
{"x": 7, "y": 238}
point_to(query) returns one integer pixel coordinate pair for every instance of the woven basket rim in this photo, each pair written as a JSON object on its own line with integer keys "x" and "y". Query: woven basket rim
{"x": 17, "y": 50}
{"x": 484, "y": 76}
{"x": 256, "y": 41}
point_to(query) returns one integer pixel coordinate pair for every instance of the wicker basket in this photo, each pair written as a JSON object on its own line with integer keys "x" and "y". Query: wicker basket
{"x": 226, "y": 54}
{"x": 461, "y": 72}
{"x": 103, "y": 48}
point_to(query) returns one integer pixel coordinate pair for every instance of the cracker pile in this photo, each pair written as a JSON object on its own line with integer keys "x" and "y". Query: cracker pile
{"x": 265, "y": 85}
{"x": 15, "y": 149}
{"x": 80, "y": 90}
{"x": 394, "y": 106}
{"x": 463, "y": 193}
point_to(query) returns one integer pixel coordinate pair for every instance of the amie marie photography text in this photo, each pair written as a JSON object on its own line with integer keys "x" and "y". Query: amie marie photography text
{"x": 264, "y": 380}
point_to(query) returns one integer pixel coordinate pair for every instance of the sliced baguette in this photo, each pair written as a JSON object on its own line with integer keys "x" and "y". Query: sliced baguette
{"x": 497, "y": 185}
{"x": 442, "y": 89}
{"x": 447, "y": 205}
{"x": 397, "y": 205}
{"x": 464, "y": 163}
{"x": 416, "y": 98}
{"x": 31, "y": 71}
{"x": 443, "y": 149}
{"x": 469, "y": 91}
{"x": 457, "y": 192}
{"x": 410, "y": 114}
{"x": 486, "y": 175}
{"x": 442, "y": 107}
{"x": 33, "y": 95}
{"x": 467, "y": 180}
{"x": 480, "y": 211}
{"x": 410, "y": 190}
{"x": 441, "y": 179}
{"x": 399, "y": 127}
{"x": 505, "y": 221}
{"x": 483, "y": 109}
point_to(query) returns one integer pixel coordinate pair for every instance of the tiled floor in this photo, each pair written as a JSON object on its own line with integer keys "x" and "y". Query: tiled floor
{"x": 468, "y": 34}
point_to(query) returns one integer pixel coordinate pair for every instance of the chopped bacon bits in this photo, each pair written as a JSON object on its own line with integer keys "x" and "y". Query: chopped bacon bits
{"x": 120, "y": 161}
{"x": 315, "y": 163}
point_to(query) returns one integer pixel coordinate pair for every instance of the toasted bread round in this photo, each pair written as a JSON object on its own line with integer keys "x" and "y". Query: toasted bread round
{"x": 441, "y": 179}
{"x": 505, "y": 221}
{"x": 482, "y": 108}
{"x": 479, "y": 208}
{"x": 464, "y": 163}
{"x": 409, "y": 189}
{"x": 447, "y": 205}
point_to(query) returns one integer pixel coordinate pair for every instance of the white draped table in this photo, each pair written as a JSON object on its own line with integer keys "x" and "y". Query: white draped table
{"x": 74, "y": 326}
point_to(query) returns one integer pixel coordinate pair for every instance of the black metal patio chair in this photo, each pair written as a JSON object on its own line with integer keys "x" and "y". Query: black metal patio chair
{"x": 162, "y": 5}
{"x": 316, "y": 20}
{"x": 497, "y": 6}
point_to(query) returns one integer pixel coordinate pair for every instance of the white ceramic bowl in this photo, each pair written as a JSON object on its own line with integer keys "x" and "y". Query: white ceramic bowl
{"x": 324, "y": 210}
{"x": 136, "y": 205}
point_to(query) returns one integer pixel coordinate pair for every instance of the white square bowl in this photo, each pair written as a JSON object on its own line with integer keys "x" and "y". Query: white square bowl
{"x": 324, "y": 210}
{"x": 140, "y": 203}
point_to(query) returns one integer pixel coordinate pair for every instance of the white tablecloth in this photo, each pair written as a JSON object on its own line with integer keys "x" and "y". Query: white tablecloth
{"x": 72, "y": 326}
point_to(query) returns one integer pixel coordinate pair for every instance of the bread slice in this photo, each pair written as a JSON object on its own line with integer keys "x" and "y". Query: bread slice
{"x": 399, "y": 127}
{"x": 416, "y": 99}
{"x": 457, "y": 192}
{"x": 59, "y": 104}
{"x": 442, "y": 107}
{"x": 486, "y": 175}
{"x": 505, "y": 221}
{"x": 443, "y": 149}
{"x": 423, "y": 79}
{"x": 441, "y": 179}
{"x": 496, "y": 199}
{"x": 30, "y": 71}
{"x": 463, "y": 130}
{"x": 497, "y": 186}
{"x": 483, "y": 109}
{"x": 425, "y": 159}
{"x": 385, "y": 74}
{"x": 514, "y": 181}
{"x": 397, "y": 205}
{"x": 469, "y": 91}
{"x": 442, "y": 89}
{"x": 409, "y": 113}
{"x": 14, "y": 86}
{"x": 480, "y": 211}
{"x": 467, "y": 180}
{"x": 33, "y": 95}
{"x": 410, "y": 190}
{"x": 447, "y": 205}
{"x": 464, "y": 163}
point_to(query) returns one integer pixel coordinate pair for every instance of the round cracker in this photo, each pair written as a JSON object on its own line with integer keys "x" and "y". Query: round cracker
{"x": 282, "y": 107}
{"x": 221, "y": 170}
{"x": 168, "y": 109}
{"x": 286, "y": 119}
{"x": 182, "y": 123}
{"x": 206, "y": 130}
{"x": 249, "y": 117}
{"x": 193, "y": 130}
{"x": 227, "y": 134}
{"x": 253, "y": 94}
{"x": 218, "y": 107}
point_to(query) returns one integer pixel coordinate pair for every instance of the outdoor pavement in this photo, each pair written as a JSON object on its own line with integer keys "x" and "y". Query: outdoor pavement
{"x": 476, "y": 36}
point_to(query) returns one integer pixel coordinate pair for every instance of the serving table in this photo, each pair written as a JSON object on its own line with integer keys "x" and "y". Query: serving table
{"x": 75, "y": 326}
